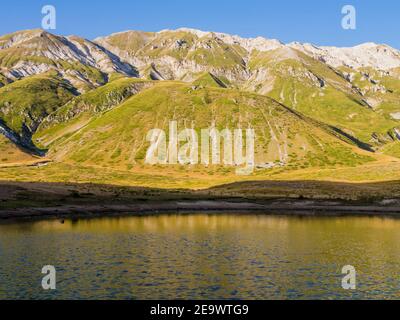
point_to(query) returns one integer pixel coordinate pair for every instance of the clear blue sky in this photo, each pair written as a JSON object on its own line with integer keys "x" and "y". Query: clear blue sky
{"x": 315, "y": 21}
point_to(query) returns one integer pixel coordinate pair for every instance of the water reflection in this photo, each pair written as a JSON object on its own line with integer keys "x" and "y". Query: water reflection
{"x": 201, "y": 257}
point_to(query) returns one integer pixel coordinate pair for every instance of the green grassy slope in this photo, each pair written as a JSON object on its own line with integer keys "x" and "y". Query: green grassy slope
{"x": 80, "y": 110}
{"x": 25, "y": 103}
{"x": 380, "y": 88}
{"x": 318, "y": 91}
{"x": 285, "y": 74}
{"x": 209, "y": 80}
{"x": 117, "y": 138}
{"x": 392, "y": 149}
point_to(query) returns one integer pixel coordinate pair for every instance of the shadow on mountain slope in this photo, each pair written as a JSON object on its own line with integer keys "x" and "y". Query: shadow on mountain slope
{"x": 23, "y": 143}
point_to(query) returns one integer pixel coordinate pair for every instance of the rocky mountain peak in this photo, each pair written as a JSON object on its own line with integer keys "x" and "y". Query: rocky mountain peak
{"x": 378, "y": 56}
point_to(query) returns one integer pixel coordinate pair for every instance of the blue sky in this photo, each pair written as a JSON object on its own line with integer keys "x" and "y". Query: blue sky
{"x": 312, "y": 21}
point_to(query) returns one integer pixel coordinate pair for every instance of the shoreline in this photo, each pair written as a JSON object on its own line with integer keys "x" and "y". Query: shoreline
{"x": 285, "y": 207}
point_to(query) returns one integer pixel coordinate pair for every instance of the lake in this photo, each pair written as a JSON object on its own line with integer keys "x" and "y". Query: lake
{"x": 224, "y": 256}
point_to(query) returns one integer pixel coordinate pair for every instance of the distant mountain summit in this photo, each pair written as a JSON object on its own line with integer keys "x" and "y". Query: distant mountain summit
{"x": 377, "y": 56}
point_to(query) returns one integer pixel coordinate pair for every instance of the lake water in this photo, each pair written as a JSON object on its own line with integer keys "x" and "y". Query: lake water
{"x": 201, "y": 257}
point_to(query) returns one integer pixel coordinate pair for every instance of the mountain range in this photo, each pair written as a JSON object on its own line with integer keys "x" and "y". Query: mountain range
{"x": 91, "y": 103}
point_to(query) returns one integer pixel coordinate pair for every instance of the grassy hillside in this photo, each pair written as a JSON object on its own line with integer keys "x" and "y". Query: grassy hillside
{"x": 318, "y": 91}
{"x": 209, "y": 80}
{"x": 381, "y": 89}
{"x": 285, "y": 139}
{"x": 289, "y": 76}
{"x": 25, "y": 103}
{"x": 80, "y": 110}
{"x": 392, "y": 149}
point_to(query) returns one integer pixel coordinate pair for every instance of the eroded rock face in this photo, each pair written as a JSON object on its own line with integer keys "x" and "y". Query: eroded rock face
{"x": 184, "y": 53}
{"x": 380, "y": 57}
{"x": 36, "y": 51}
